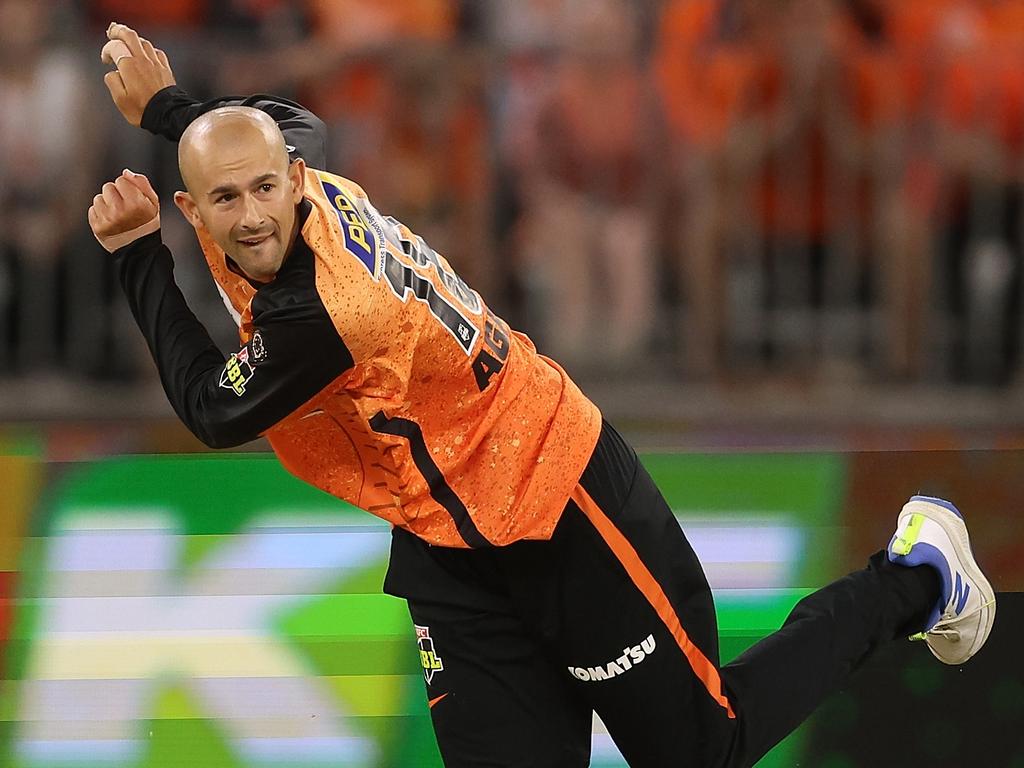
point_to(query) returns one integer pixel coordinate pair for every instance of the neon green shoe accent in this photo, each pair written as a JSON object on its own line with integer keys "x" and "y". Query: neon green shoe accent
{"x": 919, "y": 636}
{"x": 905, "y": 543}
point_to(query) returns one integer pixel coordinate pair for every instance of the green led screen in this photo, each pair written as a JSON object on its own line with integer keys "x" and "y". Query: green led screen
{"x": 213, "y": 611}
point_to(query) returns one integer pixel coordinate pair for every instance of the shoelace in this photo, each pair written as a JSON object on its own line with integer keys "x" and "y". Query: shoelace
{"x": 944, "y": 628}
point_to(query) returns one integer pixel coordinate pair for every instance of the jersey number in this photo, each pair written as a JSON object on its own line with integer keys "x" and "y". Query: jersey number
{"x": 404, "y": 280}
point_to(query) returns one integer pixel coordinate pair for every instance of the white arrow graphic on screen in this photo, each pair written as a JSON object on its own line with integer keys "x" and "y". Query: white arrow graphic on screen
{"x": 119, "y": 620}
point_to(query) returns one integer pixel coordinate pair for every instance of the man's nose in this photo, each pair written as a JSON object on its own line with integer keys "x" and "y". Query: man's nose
{"x": 252, "y": 213}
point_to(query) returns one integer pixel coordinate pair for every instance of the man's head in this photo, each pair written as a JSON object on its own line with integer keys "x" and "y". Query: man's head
{"x": 241, "y": 187}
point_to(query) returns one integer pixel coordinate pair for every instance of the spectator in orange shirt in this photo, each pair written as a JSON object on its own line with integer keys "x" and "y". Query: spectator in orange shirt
{"x": 592, "y": 198}
{"x": 758, "y": 127}
{"x": 980, "y": 115}
{"x": 707, "y": 70}
{"x": 963, "y": 105}
{"x": 888, "y": 84}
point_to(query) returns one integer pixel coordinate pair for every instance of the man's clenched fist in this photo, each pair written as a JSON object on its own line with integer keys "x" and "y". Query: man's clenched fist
{"x": 141, "y": 71}
{"x": 124, "y": 211}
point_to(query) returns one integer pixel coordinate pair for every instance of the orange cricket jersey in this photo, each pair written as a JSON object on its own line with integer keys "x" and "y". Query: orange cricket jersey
{"x": 447, "y": 424}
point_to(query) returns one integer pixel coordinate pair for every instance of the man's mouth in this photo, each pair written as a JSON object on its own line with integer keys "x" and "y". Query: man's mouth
{"x": 252, "y": 242}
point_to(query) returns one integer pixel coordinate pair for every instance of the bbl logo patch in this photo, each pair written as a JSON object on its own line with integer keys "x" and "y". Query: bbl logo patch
{"x": 241, "y": 366}
{"x": 428, "y": 656}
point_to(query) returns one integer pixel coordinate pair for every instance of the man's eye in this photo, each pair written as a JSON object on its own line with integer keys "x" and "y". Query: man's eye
{"x": 266, "y": 187}
{"x": 225, "y": 198}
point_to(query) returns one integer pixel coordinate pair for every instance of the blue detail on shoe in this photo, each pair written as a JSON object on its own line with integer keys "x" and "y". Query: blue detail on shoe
{"x": 960, "y": 592}
{"x": 928, "y": 554}
{"x": 941, "y": 502}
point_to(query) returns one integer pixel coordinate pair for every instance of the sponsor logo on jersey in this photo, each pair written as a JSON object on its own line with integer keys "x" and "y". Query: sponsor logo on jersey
{"x": 241, "y": 366}
{"x": 359, "y": 241}
{"x": 431, "y": 662}
{"x": 630, "y": 658}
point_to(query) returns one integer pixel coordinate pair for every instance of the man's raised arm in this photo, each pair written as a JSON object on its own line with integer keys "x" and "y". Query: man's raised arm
{"x": 296, "y": 348}
{"x": 144, "y": 90}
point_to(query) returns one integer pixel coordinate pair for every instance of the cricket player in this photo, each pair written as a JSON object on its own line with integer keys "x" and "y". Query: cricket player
{"x": 545, "y": 574}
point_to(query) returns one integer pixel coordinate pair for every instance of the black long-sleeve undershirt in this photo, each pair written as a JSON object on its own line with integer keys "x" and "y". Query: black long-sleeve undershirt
{"x": 294, "y": 355}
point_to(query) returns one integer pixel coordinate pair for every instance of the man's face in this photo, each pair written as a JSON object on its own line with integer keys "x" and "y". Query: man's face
{"x": 245, "y": 194}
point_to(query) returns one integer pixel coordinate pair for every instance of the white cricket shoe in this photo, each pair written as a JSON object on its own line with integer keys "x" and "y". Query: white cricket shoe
{"x": 932, "y": 532}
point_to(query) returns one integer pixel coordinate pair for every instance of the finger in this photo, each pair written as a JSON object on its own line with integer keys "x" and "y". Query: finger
{"x": 112, "y": 51}
{"x": 111, "y": 195}
{"x": 134, "y": 197}
{"x": 98, "y": 212}
{"x": 128, "y": 36}
{"x": 128, "y": 191}
{"x": 115, "y": 84}
{"x": 148, "y": 50}
{"x": 143, "y": 185}
{"x": 162, "y": 58}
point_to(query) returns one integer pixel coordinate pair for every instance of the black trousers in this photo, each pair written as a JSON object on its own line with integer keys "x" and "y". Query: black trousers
{"x": 520, "y": 644}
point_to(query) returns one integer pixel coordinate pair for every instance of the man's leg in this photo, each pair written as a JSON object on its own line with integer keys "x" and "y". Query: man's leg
{"x": 926, "y": 578}
{"x": 633, "y": 623}
{"x": 623, "y": 603}
{"x": 495, "y": 697}
{"x": 782, "y": 679}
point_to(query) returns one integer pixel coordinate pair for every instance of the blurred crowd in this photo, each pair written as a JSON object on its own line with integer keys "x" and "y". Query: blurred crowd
{"x": 691, "y": 189}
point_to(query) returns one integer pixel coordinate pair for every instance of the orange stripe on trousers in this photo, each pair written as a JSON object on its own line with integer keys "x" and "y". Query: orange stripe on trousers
{"x": 655, "y": 595}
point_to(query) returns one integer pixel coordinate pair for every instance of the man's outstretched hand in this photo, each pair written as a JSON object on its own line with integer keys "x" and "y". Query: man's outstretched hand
{"x": 140, "y": 71}
{"x": 128, "y": 208}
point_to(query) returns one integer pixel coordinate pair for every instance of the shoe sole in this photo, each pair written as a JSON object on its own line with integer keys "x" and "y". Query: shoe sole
{"x": 946, "y": 517}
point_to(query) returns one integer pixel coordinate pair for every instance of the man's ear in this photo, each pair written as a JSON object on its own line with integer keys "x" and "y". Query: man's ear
{"x": 297, "y": 177}
{"x": 188, "y": 208}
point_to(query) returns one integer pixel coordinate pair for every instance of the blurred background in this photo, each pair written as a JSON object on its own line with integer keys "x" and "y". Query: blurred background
{"x": 779, "y": 242}
{"x": 711, "y": 211}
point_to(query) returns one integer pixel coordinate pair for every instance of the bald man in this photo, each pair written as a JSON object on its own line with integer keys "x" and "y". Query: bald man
{"x": 546, "y": 576}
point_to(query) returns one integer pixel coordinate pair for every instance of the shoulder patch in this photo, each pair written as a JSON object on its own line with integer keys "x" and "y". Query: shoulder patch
{"x": 259, "y": 351}
{"x": 241, "y": 366}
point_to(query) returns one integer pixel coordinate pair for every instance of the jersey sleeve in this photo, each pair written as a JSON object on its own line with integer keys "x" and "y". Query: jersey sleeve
{"x": 294, "y": 353}
{"x": 171, "y": 110}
